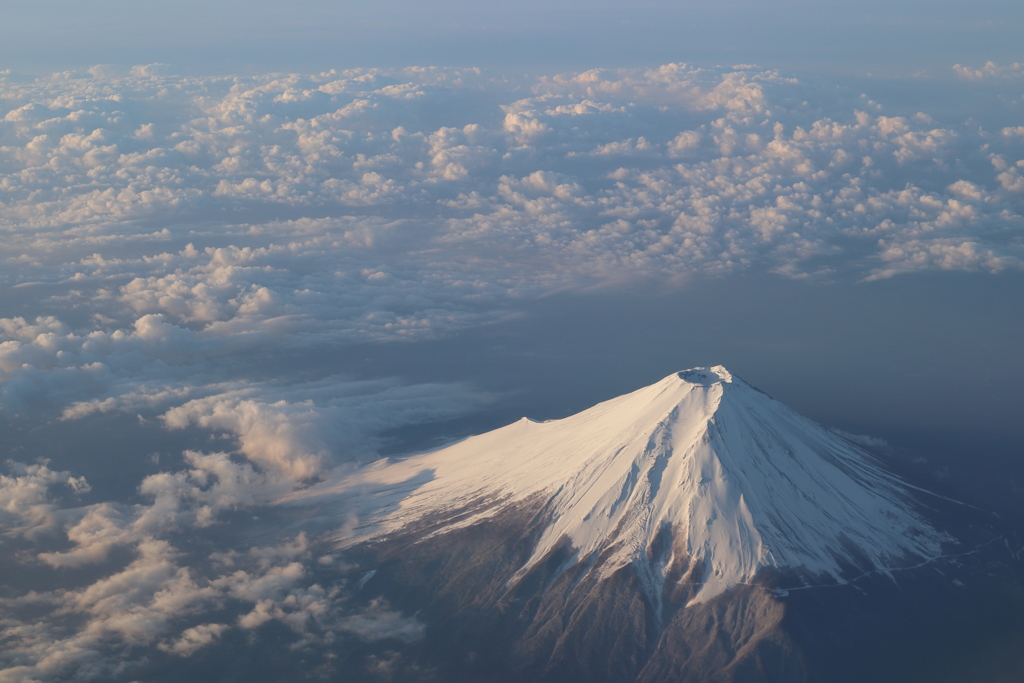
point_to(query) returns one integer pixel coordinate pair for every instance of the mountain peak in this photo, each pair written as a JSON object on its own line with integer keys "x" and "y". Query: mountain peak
{"x": 706, "y": 376}
{"x": 735, "y": 480}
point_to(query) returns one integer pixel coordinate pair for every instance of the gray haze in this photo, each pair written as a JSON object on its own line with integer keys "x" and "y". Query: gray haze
{"x": 890, "y": 38}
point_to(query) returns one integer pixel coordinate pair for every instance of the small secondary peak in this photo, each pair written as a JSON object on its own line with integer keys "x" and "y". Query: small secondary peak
{"x": 706, "y": 376}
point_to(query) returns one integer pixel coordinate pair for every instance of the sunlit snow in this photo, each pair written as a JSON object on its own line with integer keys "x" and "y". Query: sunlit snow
{"x": 742, "y": 481}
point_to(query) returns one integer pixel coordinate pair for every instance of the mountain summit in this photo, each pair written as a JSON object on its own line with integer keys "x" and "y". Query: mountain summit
{"x": 699, "y": 478}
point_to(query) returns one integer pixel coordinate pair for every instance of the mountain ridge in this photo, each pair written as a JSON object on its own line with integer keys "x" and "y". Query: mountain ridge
{"x": 723, "y": 478}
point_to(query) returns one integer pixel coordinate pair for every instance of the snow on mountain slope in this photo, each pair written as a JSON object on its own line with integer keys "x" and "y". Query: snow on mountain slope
{"x": 742, "y": 481}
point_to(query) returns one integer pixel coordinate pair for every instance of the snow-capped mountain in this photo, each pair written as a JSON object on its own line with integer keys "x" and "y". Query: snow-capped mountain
{"x": 695, "y": 530}
{"x": 738, "y": 481}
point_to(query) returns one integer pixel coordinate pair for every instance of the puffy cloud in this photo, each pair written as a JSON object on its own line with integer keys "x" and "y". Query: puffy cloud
{"x": 151, "y": 158}
{"x": 989, "y": 70}
{"x": 195, "y": 496}
{"x": 27, "y": 503}
{"x": 100, "y": 529}
{"x": 191, "y": 639}
{"x": 134, "y": 606}
{"x": 161, "y": 596}
{"x": 917, "y": 255}
{"x": 379, "y": 623}
{"x": 310, "y": 426}
{"x": 279, "y": 435}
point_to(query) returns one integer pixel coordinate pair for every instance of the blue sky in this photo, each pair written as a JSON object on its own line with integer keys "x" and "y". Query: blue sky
{"x": 890, "y": 38}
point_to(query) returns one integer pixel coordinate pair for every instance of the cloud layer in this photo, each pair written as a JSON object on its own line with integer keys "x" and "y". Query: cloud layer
{"x": 153, "y": 219}
{"x": 171, "y": 246}
{"x": 666, "y": 171}
{"x": 160, "y": 582}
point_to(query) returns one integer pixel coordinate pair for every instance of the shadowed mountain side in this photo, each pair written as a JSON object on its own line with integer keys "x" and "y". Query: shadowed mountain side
{"x": 957, "y": 619}
{"x": 567, "y": 624}
{"x": 735, "y": 638}
{"x": 695, "y": 530}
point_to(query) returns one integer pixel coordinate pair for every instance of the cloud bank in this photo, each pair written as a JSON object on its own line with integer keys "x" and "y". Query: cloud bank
{"x": 157, "y": 225}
